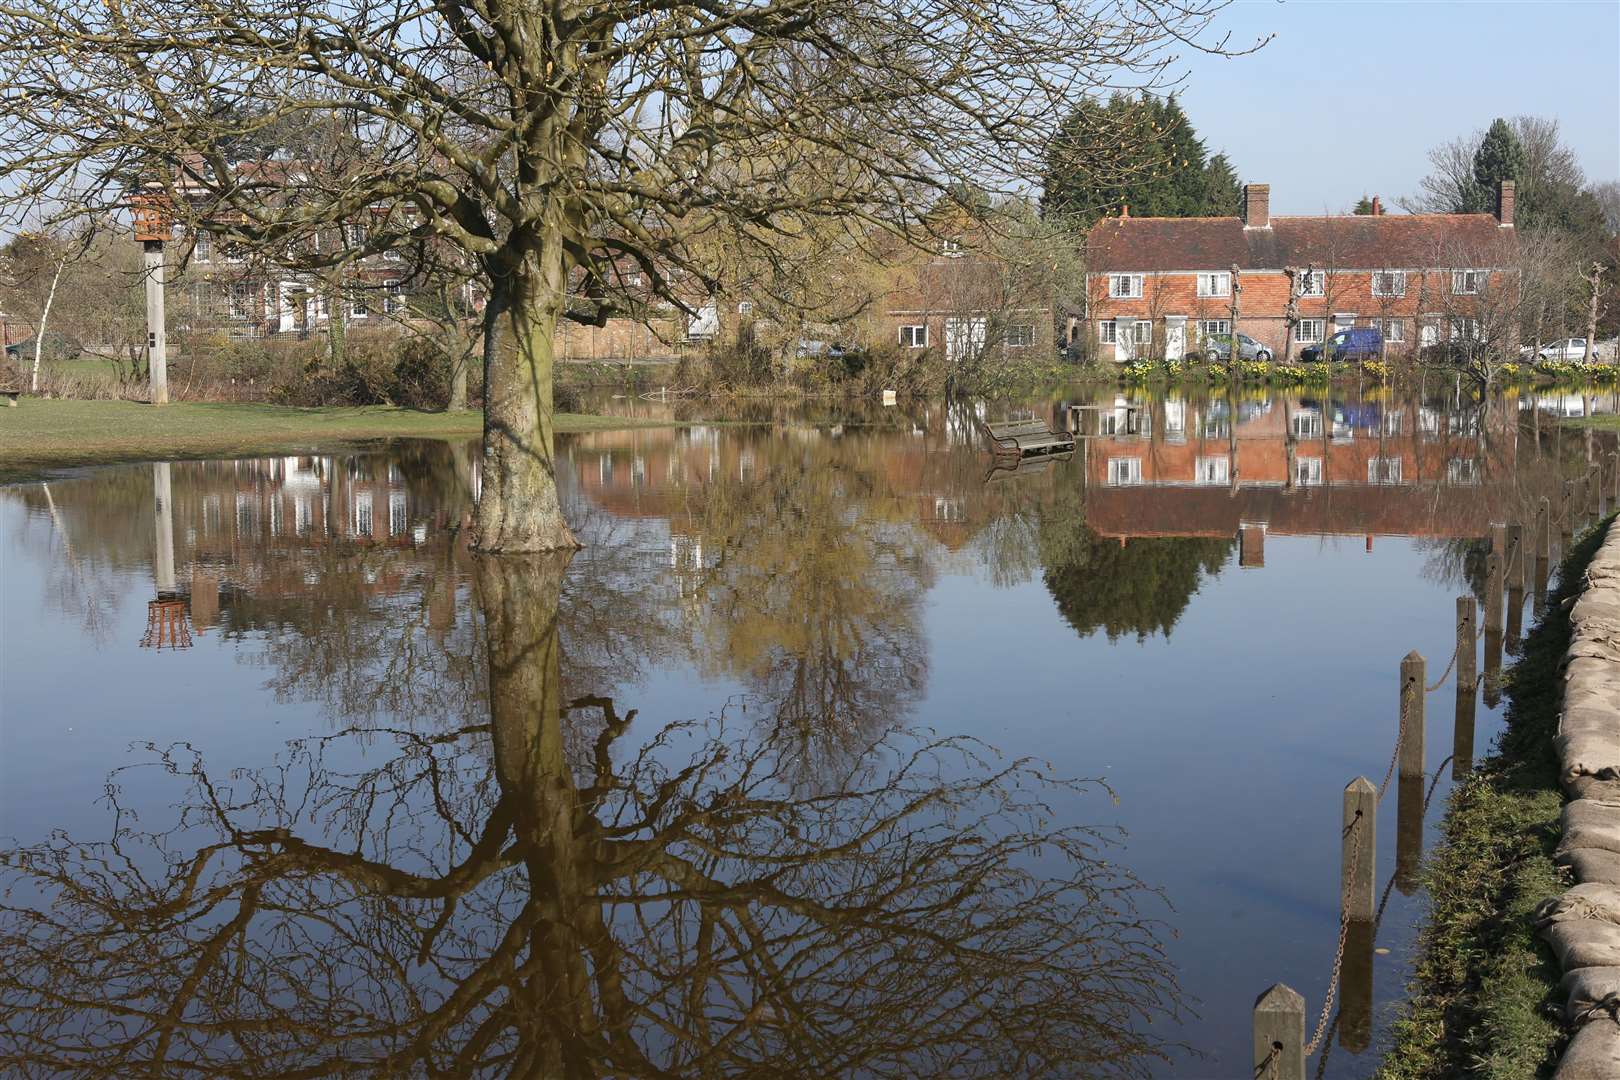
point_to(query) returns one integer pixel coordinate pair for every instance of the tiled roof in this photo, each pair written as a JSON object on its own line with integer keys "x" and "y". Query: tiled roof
{"x": 1350, "y": 242}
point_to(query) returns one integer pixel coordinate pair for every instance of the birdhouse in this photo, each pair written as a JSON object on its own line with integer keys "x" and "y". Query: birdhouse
{"x": 153, "y": 219}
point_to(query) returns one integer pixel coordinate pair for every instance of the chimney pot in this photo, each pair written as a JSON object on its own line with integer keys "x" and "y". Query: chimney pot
{"x": 1257, "y": 206}
{"x": 1125, "y": 210}
{"x": 1378, "y": 207}
{"x": 1504, "y": 203}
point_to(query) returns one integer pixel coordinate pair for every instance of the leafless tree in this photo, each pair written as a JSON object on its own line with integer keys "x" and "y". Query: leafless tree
{"x": 556, "y": 145}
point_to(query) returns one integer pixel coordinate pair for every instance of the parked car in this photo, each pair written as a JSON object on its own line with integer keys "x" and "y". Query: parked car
{"x": 1356, "y": 343}
{"x": 57, "y": 347}
{"x": 1568, "y": 349}
{"x": 1220, "y": 348}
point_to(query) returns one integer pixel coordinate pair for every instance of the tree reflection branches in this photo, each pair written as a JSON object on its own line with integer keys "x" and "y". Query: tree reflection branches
{"x": 546, "y": 895}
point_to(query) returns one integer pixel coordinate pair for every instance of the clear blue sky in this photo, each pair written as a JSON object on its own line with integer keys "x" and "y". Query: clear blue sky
{"x": 1351, "y": 94}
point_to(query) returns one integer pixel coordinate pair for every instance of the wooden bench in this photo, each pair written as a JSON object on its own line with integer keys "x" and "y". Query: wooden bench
{"x": 1026, "y": 437}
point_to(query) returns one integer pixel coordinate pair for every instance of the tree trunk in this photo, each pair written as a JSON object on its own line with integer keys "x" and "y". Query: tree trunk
{"x": 336, "y": 326}
{"x": 45, "y": 318}
{"x": 518, "y": 508}
{"x": 460, "y": 357}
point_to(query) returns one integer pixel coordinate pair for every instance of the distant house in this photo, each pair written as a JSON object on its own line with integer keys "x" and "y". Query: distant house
{"x": 1160, "y": 287}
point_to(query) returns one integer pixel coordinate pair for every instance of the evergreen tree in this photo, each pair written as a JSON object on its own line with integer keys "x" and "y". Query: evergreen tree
{"x": 1364, "y": 208}
{"x": 1499, "y": 157}
{"x": 1223, "y": 191}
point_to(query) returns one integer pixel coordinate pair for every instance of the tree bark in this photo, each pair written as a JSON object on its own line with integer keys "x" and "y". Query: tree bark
{"x": 518, "y": 507}
{"x": 45, "y": 318}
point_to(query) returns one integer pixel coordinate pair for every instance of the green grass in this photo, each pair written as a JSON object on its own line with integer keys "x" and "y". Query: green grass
{"x": 46, "y": 434}
{"x": 1606, "y": 422}
{"x": 1484, "y": 989}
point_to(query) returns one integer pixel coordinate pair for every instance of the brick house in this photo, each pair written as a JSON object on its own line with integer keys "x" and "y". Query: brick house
{"x": 1161, "y": 286}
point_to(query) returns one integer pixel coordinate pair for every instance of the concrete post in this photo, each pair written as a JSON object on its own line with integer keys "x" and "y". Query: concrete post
{"x": 1411, "y": 706}
{"x": 156, "y": 340}
{"x": 1279, "y": 1034}
{"x": 1357, "y": 850}
{"x": 1462, "y": 741}
{"x": 1493, "y": 593}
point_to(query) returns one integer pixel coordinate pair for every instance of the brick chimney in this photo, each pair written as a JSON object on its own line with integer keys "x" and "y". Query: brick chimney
{"x": 1504, "y": 204}
{"x": 1378, "y": 207}
{"x": 1125, "y": 210}
{"x": 1257, "y": 206}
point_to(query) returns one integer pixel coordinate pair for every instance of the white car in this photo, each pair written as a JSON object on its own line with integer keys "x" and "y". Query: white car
{"x": 1568, "y": 349}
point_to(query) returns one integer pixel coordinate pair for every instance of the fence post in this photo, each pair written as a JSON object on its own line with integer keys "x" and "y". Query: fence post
{"x": 1462, "y": 739}
{"x": 1410, "y": 717}
{"x": 1279, "y": 1034}
{"x": 1493, "y": 593}
{"x": 1357, "y": 856}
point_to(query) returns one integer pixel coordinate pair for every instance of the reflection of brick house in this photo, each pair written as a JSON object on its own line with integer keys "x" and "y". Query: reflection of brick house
{"x": 1159, "y": 286}
{"x": 962, "y": 299}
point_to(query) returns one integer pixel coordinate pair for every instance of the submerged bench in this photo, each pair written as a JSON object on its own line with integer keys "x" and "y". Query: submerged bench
{"x": 1026, "y": 437}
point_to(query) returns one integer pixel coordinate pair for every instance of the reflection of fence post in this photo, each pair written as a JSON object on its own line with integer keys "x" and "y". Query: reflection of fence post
{"x": 1462, "y": 740}
{"x": 1594, "y": 490}
{"x": 1566, "y": 518}
{"x": 1279, "y": 1034}
{"x": 1408, "y": 833}
{"x": 1499, "y": 539}
{"x": 1355, "y": 988}
{"x": 1513, "y": 558}
{"x": 1411, "y": 714}
{"x": 1544, "y": 529}
{"x": 1357, "y": 850}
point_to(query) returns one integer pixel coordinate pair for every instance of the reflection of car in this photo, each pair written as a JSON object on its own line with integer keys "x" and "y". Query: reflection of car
{"x": 1220, "y": 348}
{"x": 1354, "y": 343}
{"x": 57, "y": 347}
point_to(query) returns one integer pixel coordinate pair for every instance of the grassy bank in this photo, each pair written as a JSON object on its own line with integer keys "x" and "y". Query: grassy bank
{"x": 1483, "y": 985}
{"x": 48, "y": 434}
{"x": 1607, "y": 422}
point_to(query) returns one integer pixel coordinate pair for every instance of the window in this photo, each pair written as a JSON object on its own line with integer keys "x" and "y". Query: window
{"x": 1308, "y": 471}
{"x": 745, "y": 307}
{"x": 638, "y": 471}
{"x": 354, "y": 234}
{"x": 1465, "y": 328}
{"x": 1462, "y": 471}
{"x": 393, "y": 298}
{"x": 1214, "y": 470}
{"x": 239, "y": 301}
{"x": 303, "y": 515}
{"x": 604, "y": 469}
{"x": 1311, "y": 283}
{"x": 1466, "y": 282}
{"x": 396, "y": 513}
{"x": 1384, "y": 470}
{"x": 1217, "y": 328}
{"x": 1306, "y": 424}
{"x": 633, "y": 279}
{"x": 1308, "y": 331}
{"x": 1124, "y": 286}
{"x": 1123, "y": 471}
{"x": 362, "y": 514}
{"x": 358, "y": 308}
{"x": 1144, "y": 332}
{"x": 1394, "y": 329}
{"x": 202, "y": 247}
{"x": 1389, "y": 283}
{"x": 1021, "y": 335}
{"x": 1215, "y": 284}
{"x": 914, "y": 337}
{"x": 949, "y": 509}
{"x": 235, "y": 253}
{"x": 952, "y": 248}
{"x": 1107, "y": 332}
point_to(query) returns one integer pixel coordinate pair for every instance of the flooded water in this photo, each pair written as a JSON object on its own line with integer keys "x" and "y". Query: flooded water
{"x": 835, "y": 751}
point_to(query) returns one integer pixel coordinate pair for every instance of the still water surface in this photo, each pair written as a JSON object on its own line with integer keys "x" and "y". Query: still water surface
{"x": 833, "y": 752}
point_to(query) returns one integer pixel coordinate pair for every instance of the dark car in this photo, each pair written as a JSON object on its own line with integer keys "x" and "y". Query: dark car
{"x": 1356, "y": 343}
{"x": 1220, "y": 348}
{"x": 57, "y": 347}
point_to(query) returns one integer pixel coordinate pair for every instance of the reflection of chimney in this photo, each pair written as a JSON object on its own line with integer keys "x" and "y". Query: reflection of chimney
{"x": 1252, "y": 545}
{"x": 1369, "y": 543}
{"x": 1257, "y": 206}
{"x": 1505, "y": 196}
{"x": 1125, "y": 210}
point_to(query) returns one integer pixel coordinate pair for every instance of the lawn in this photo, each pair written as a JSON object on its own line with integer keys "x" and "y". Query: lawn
{"x": 42, "y": 434}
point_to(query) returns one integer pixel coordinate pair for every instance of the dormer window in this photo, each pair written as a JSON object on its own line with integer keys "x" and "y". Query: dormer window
{"x": 1466, "y": 282}
{"x": 1389, "y": 283}
{"x": 1125, "y": 286}
{"x": 1216, "y": 284}
{"x": 1311, "y": 283}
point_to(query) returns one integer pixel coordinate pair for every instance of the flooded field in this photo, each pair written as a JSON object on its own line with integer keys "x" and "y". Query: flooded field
{"x": 836, "y": 750}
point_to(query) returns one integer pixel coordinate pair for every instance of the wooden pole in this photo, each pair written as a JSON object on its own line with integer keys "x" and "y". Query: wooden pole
{"x": 1357, "y": 850}
{"x": 1410, "y": 718}
{"x": 156, "y": 341}
{"x": 1279, "y": 1034}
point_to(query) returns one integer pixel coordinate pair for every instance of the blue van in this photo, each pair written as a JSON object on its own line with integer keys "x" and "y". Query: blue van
{"x": 1356, "y": 343}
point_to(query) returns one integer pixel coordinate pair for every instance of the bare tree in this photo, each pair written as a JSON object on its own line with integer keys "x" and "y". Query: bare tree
{"x": 552, "y": 145}
{"x": 1593, "y": 277}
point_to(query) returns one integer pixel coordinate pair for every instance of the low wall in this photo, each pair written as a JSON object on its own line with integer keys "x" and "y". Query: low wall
{"x": 1583, "y": 925}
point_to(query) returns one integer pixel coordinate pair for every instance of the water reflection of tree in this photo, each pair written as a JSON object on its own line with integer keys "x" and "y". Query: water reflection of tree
{"x": 479, "y": 900}
{"x": 814, "y": 593}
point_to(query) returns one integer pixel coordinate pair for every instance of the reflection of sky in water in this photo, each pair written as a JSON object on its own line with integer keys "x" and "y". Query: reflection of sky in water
{"x": 787, "y": 579}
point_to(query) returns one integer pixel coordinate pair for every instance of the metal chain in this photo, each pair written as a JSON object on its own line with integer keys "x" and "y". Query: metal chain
{"x": 1400, "y": 738}
{"x": 1268, "y": 1067}
{"x": 1456, "y": 651}
{"x": 1344, "y": 932}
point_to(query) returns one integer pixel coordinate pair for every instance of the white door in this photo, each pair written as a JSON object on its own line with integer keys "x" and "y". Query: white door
{"x": 289, "y": 301}
{"x": 963, "y": 338}
{"x": 1175, "y": 338}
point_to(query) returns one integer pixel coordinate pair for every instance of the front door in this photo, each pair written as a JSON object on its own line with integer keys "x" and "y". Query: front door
{"x": 1175, "y": 337}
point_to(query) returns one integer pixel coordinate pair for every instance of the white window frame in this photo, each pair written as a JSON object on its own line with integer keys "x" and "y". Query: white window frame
{"x": 1383, "y": 470}
{"x": 1108, "y": 332}
{"x": 393, "y": 297}
{"x": 951, "y": 248}
{"x": 1307, "y": 424}
{"x": 1020, "y": 335}
{"x": 1125, "y": 286}
{"x": 1305, "y": 335}
{"x": 1463, "y": 328}
{"x": 397, "y": 521}
{"x": 359, "y": 309}
{"x": 239, "y": 300}
{"x": 745, "y": 307}
{"x": 1395, "y": 331}
{"x": 1396, "y": 283}
{"x": 1213, "y": 469}
{"x": 1214, "y": 328}
{"x": 1466, "y": 282}
{"x": 1311, "y": 283}
{"x": 1143, "y": 332}
{"x": 364, "y": 523}
{"x": 202, "y": 247}
{"x": 1307, "y": 472}
{"x": 1215, "y": 283}
{"x": 1124, "y": 471}
{"x": 914, "y": 335}
{"x": 1462, "y": 472}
